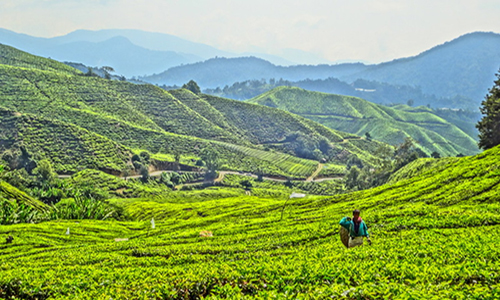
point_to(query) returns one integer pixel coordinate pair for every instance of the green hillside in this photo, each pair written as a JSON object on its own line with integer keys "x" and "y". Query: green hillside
{"x": 355, "y": 115}
{"x": 67, "y": 146}
{"x": 145, "y": 117}
{"x": 18, "y": 198}
{"x": 435, "y": 236}
{"x": 13, "y": 57}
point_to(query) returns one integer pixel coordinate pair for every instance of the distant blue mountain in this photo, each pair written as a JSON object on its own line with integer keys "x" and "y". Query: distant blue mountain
{"x": 118, "y": 52}
{"x": 462, "y": 67}
{"x": 100, "y": 49}
{"x": 148, "y": 40}
{"x": 129, "y": 52}
{"x": 218, "y": 72}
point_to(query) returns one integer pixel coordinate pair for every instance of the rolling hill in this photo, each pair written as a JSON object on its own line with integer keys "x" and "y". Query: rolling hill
{"x": 145, "y": 117}
{"x": 67, "y": 146}
{"x": 435, "y": 235}
{"x": 358, "y": 116}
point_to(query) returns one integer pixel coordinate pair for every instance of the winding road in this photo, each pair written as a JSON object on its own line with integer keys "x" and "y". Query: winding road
{"x": 222, "y": 174}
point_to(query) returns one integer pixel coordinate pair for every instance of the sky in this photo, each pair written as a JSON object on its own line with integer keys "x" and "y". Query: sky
{"x": 371, "y": 31}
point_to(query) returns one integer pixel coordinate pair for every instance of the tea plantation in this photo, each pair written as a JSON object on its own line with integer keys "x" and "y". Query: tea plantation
{"x": 435, "y": 231}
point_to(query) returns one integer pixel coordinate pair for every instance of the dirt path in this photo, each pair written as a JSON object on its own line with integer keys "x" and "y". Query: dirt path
{"x": 352, "y": 138}
{"x": 315, "y": 173}
{"x": 222, "y": 174}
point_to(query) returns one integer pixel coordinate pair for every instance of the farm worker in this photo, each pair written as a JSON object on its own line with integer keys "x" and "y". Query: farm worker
{"x": 357, "y": 229}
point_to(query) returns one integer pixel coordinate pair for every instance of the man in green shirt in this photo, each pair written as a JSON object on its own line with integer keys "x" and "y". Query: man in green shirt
{"x": 357, "y": 229}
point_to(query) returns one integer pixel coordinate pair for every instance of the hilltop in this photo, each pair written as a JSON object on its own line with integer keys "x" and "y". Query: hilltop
{"x": 358, "y": 116}
{"x": 145, "y": 117}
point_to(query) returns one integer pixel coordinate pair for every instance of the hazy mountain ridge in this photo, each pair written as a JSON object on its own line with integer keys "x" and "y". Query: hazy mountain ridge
{"x": 464, "y": 66}
{"x": 458, "y": 72}
{"x": 217, "y": 72}
{"x": 136, "y": 53}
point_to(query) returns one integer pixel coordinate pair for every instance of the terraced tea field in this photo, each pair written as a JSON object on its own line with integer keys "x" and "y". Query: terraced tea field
{"x": 435, "y": 234}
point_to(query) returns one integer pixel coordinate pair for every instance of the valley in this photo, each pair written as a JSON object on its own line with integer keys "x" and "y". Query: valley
{"x": 122, "y": 190}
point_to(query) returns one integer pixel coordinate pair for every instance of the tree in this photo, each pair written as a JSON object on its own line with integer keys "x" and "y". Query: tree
{"x": 246, "y": 184}
{"x": 318, "y": 155}
{"x": 211, "y": 159}
{"x": 144, "y": 173}
{"x": 45, "y": 172}
{"x": 192, "y": 86}
{"x": 489, "y": 125}
{"x": 351, "y": 179}
{"x": 127, "y": 171}
{"x": 90, "y": 72}
{"x": 145, "y": 158}
{"x": 354, "y": 160}
{"x": 405, "y": 153}
{"x": 435, "y": 154}
{"x": 410, "y": 102}
{"x": 177, "y": 159}
{"x": 140, "y": 160}
{"x": 107, "y": 71}
{"x": 368, "y": 136}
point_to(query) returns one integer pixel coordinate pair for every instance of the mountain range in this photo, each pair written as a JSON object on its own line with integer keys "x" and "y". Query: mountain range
{"x": 129, "y": 52}
{"x": 460, "y": 72}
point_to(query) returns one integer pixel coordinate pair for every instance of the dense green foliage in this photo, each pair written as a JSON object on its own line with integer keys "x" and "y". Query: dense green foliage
{"x": 435, "y": 236}
{"x": 358, "y": 116}
{"x": 489, "y": 125}
{"x": 192, "y": 86}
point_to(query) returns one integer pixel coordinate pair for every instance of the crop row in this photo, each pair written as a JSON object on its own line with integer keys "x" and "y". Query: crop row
{"x": 287, "y": 163}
